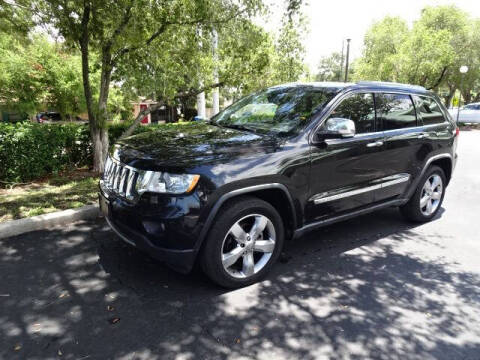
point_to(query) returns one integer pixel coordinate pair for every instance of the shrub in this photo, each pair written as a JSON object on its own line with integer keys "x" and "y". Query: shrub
{"x": 30, "y": 150}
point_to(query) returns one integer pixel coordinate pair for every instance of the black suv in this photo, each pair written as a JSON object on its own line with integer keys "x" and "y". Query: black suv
{"x": 274, "y": 165}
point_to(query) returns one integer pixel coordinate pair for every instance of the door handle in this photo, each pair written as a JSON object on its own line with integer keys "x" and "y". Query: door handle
{"x": 421, "y": 136}
{"x": 375, "y": 144}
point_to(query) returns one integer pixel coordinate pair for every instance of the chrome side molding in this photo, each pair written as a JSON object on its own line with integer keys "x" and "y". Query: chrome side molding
{"x": 382, "y": 183}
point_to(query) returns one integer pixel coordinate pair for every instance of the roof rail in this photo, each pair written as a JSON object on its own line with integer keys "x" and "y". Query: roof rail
{"x": 391, "y": 84}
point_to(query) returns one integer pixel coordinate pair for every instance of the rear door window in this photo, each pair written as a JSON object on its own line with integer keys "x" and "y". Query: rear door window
{"x": 395, "y": 111}
{"x": 428, "y": 110}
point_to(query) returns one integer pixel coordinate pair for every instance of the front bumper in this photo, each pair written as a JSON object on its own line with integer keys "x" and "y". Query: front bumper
{"x": 165, "y": 230}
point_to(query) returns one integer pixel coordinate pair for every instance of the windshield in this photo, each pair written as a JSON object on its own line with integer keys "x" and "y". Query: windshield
{"x": 275, "y": 110}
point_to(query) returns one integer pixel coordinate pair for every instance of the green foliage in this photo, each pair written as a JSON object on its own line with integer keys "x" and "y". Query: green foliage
{"x": 247, "y": 57}
{"x": 30, "y": 150}
{"x": 330, "y": 68}
{"x": 429, "y": 53}
{"x": 119, "y": 105}
{"x": 182, "y": 61}
{"x": 290, "y": 52}
{"x": 60, "y": 76}
{"x": 39, "y": 75}
{"x": 16, "y": 19}
{"x": 381, "y": 45}
{"x": 433, "y": 48}
{"x": 469, "y": 83}
{"x": 19, "y": 80}
{"x": 121, "y": 32}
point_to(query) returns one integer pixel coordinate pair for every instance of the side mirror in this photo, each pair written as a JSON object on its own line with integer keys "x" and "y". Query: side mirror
{"x": 337, "y": 128}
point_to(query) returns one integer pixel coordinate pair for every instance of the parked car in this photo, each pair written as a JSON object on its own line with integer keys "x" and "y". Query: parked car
{"x": 48, "y": 117}
{"x": 468, "y": 114}
{"x": 53, "y": 117}
{"x": 278, "y": 163}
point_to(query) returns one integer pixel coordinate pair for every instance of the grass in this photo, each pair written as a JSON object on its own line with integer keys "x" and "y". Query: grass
{"x": 59, "y": 192}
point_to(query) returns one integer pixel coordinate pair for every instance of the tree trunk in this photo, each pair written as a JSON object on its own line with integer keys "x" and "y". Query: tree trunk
{"x": 467, "y": 97}
{"x": 139, "y": 118}
{"x": 98, "y": 134}
{"x": 448, "y": 98}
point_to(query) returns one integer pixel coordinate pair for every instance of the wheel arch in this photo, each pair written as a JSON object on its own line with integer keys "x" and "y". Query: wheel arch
{"x": 444, "y": 161}
{"x": 275, "y": 194}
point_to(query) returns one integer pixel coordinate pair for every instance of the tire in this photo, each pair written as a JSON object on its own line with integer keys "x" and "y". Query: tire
{"x": 230, "y": 248}
{"x": 415, "y": 211}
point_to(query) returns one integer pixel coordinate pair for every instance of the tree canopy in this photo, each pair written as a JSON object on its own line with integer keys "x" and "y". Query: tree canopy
{"x": 330, "y": 68}
{"x": 429, "y": 53}
{"x": 108, "y": 51}
{"x": 40, "y": 75}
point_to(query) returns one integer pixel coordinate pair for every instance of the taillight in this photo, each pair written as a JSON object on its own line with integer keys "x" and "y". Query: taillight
{"x": 457, "y": 131}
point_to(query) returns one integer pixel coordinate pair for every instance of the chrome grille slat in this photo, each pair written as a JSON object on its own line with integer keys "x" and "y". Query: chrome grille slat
{"x": 123, "y": 179}
{"x": 120, "y": 179}
{"x": 116, "y": 177}
{"x": 108, "y": 166}
{"x": 112, "y": 175}
{"x": 130, "y": 185}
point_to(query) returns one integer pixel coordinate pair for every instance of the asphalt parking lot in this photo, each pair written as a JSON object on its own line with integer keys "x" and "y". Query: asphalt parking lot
{"x": 374, "y": 287}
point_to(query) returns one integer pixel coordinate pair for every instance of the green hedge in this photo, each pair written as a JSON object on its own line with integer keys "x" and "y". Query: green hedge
{"x": 30, "y": 150}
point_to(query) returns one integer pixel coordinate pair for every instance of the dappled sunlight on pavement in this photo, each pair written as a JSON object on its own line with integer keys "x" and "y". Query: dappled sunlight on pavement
{"x": 372, "y": 287}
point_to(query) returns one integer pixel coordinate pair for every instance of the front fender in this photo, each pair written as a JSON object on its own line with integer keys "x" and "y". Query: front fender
{"x": 239, "y": 192}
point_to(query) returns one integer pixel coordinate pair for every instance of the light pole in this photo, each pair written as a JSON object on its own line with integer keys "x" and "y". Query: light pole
{"x": 341, "y": 61}
{"x": 348, "y": 56}
{"x": 215, "y": 92}
{"x": 463, "y": 70}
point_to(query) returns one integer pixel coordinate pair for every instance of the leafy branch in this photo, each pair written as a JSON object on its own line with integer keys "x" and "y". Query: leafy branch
{"x": 161, "y": 103}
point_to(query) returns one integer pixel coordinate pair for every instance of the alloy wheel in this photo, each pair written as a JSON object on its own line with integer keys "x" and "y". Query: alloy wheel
{"x": 431, "y": 195}
{"x": 248, "y": 246}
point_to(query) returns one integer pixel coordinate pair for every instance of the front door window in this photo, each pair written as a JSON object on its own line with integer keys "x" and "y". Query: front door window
{"x": 361, "y": 109}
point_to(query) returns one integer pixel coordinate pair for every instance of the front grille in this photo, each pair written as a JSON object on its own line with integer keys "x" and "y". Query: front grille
{"x": 120, "y": 179}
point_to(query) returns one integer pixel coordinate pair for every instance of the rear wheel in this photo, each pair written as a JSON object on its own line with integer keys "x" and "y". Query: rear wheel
{"x": 427, "y": 199}
{"x": 243, "y": 244}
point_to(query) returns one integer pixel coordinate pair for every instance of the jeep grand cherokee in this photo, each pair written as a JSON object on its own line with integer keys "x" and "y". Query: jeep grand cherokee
{"x": 229, "y": 191}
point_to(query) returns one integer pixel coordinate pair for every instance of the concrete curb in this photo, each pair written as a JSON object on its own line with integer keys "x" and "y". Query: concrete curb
{"x": 40, "y": 222}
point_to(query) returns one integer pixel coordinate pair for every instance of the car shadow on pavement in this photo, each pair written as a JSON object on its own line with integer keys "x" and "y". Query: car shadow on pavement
{"x": 351, "y": 290}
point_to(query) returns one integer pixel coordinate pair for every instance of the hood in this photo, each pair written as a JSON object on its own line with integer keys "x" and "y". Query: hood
{"x": 188, "y": 146}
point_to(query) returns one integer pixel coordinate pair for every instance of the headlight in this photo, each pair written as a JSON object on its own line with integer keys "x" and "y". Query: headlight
{"x": 162, "y": 182}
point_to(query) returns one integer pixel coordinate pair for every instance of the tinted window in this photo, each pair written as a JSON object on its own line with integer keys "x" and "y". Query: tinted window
{"x": 359, "y": 108}
{"x": 472, "y": 107}
{"x": 276, "y": 110}
{"x": 428, "y": 110}
{"x": 395, "y": 111}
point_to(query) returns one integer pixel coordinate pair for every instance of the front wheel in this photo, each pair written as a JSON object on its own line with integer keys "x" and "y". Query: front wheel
{"x": 427, "y": 199}
{"x": 243, "y": 244}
